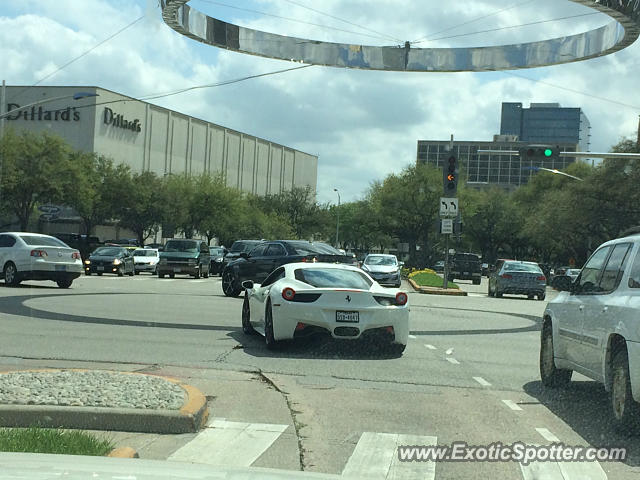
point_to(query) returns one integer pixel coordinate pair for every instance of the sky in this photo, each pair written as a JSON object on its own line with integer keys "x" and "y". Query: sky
{"x": 363, "y": 125}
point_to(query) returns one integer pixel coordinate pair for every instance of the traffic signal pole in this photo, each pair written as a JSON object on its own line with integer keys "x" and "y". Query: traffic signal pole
{"x": 449, "y": 187}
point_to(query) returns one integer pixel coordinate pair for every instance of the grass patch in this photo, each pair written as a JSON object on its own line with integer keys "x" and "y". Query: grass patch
{"x": 52, "y": 440}
{"x": 426, "y": 279}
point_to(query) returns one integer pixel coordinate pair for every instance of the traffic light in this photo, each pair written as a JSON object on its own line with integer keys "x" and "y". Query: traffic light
{"x": 450, "y": 176}
{"x": 539, "y": 152}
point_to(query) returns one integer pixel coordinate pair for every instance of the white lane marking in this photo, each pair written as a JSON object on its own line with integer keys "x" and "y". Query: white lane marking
{"x": 453, "y": 360}
{"x": 376, "y": 457}
{"x": 482, "y": 381}
{"x": 430, "y": 347}
{"x": 236, "y": 444}
{"x": 412, "y": 336}
{"x": 547, "y": 435}
{"x": 512, "y": 405}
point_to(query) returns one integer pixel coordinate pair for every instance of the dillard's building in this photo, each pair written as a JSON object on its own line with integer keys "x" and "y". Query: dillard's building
{"x": 151, "y": 138}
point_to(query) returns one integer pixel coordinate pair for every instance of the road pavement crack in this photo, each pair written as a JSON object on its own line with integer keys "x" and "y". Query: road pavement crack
{"x": 297, "y": 425}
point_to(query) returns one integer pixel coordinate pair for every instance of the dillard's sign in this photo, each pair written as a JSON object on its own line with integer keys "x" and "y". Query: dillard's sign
{"x": 117, "y": 120}
{"x": 39, "y": 114}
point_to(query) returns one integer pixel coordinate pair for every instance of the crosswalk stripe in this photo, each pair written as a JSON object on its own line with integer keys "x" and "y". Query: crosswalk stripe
{"x": 412, "y": 336}
{"x": 376, "y": 457}
{"x": 236, "y": 444}
{"x": 512, "y": 405}
{"x": 547, "y": 435}
{"x": 430, "y": 347}
{"x": 453, "y": 360}
{"x": 482, "y": 381}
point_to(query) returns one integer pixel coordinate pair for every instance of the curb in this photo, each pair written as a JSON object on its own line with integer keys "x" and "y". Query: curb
{"x": 454, "y": 292}
{"x": 189, "y": 419}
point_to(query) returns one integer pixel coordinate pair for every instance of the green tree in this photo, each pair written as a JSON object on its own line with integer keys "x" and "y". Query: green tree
{"x": 141, "y": 205}
{"x": 96, "y": 196}
{"x": 35, "y": 170}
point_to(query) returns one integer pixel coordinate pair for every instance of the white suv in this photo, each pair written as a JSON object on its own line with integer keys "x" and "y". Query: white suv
{"x": 593, "y": 327}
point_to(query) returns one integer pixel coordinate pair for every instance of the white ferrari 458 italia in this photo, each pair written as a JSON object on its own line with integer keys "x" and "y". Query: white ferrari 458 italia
{"x": 300, "y": 299}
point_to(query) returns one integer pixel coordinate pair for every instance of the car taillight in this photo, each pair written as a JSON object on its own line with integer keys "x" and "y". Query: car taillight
{"x": 506, "y": 275}
{"x": 401, "y": 298}
{"x": 38, "y": 253}
{"x": 75, "y": 255}
{"x": 542, "y": 278}
{"x": 288, "y": 293}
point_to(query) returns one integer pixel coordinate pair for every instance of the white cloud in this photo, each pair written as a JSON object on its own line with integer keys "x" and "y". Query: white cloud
{"x": 363, "y": 125}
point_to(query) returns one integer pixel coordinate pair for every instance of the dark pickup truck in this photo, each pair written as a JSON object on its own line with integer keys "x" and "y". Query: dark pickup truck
{"x": 466, "y": 266}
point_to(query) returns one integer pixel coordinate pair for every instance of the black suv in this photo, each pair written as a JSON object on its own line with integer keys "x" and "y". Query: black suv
{"x": 182, "y": 255}
{"x": 267, "y": 256}
{"x": 466, "y": 266}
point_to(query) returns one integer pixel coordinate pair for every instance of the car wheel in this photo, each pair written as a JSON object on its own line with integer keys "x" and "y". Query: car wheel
{"x": 99, "y": 274}
{"x": 11, "y": 277}
{"x": 549, "y": 374}
{"x": 87, "y": 272}
{"x": 160, "y": 275}
{"x": 476, "y": 281}
{"x": 497, "y": 294}
{"x": 229, "y": 286}
{"x": 542, "y": 296}
{"x": 626, "y": 412}
{"x": 172, "y": 275}
{"x": 137, "y": 272}
{"x": 269, "y": 339}
{"x": 247, "y": 329}
{"x": 64, "y": 283}
{"x": 120, "y": 272}
{"x": 530, "y": 297}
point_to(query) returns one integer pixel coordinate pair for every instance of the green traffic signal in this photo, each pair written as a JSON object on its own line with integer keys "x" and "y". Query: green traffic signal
{"x": 548, "y": 152}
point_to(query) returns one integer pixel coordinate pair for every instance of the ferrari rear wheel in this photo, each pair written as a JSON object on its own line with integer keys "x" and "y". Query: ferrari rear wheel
{"x": 269, "y": 339}
{"x": 247, "y": 329}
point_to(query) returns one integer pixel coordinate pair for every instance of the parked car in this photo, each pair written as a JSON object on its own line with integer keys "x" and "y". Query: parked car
{"x": 572, "y": 273}
{"x": 217, "y": 259}
{"x": 118, "y": 260}
{"x": 439, "y": 266}
{"x": 341, "y": 300}
{"x": 593, "y": 327}
{"x": 146, "y": 260}
{"x": 238, "y": 247}
{"x": 267, "y": 256}
{"x": 466, "y": 266}
{"x": 518, "y": 278}
{"x": 383, "y": 268}
{"x": 485, "y": 270}
{"x": 32, "y": 256}
{"x": 184, "y": 256}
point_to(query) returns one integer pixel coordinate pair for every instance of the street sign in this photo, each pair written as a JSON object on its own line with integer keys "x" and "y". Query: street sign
{"x": 49, "y": 209}
{"x": 448, "y": 207}
{"x": 447, "y": 226}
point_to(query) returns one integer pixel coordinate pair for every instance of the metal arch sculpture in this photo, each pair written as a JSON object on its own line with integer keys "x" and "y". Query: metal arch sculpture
{"x": 614, "y": 36}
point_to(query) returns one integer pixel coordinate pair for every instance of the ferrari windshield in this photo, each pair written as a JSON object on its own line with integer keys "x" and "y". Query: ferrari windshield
{"x": 333, "y": 278}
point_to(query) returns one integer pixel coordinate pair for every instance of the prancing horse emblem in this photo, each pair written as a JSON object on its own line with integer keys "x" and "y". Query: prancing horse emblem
{"x": 348, "y": 298}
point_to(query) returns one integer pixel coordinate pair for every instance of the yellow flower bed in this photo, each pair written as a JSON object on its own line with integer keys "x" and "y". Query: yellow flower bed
{"x": 413, "y": 273}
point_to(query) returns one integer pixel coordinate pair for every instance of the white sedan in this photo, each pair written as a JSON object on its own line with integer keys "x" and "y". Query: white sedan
{"x": 145, "y": 260}
{"x": 299, "y": 299}
{"x": 32, "y": 256}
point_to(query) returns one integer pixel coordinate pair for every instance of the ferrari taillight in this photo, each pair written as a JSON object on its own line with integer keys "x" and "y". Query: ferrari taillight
{"x": 288, "y": 293}
{"x": 401, "y": 298}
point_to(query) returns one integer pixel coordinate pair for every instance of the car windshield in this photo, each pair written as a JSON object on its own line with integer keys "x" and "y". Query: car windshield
{"x": 145, "y": 253}
{"x": 243, "y": 246}
{"x": 216, "y": 251}
{"x": 42, "y": 241}
{"x": 380, "y": 260}
{"x": 181, "y": 246}
{"x": 573, "y": 271}
{"x": 108, "y": 251}
{"x": 333, "y": 278}
{"x": 522, "y": 267}
{"x": 466, "y": 257}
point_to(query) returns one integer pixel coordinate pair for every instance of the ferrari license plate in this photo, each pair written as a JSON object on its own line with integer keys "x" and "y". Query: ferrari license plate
{"x": 347, "y": 317}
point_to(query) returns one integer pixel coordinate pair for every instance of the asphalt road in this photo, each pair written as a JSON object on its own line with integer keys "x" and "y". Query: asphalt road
{"x": 468, "y": 374}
